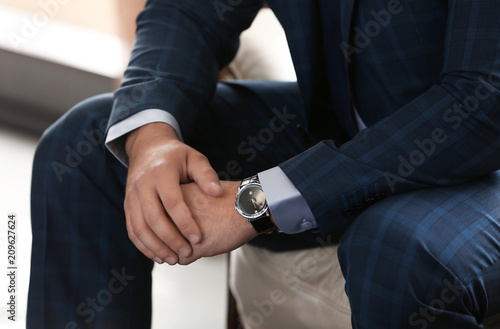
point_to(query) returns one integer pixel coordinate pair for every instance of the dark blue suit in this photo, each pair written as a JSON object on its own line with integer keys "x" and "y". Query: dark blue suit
{"x": 414, "y": 196}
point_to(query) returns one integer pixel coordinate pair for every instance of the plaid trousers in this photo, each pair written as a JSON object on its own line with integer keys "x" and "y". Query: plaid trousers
{"x": 422, "y": 259}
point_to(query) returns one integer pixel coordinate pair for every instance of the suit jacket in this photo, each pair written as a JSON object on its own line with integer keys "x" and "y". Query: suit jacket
{"x": 424, "y": 76}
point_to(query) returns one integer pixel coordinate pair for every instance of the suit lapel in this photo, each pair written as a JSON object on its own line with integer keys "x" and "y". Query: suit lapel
{"x": 346, "y": 12}
{"x": 337, "y": 15}
{"x": 300, "y": 20}
{"x": 313, "y": 63}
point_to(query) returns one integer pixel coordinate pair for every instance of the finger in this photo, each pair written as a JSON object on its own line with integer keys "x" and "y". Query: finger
{"x": 173, "y": 203}
{"x": 143, "y": 236}
{"x": 187, "y": 261}
{"x": 138, "y": 244}
{"x": 192, "y": 258}
{"x": 203, "y": 174}
{"x": 162, "y": 226}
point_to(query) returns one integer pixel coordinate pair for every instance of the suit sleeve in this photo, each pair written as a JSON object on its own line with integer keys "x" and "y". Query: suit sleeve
{"x": 448, "y": 135}
{"x": 179, "y": 50}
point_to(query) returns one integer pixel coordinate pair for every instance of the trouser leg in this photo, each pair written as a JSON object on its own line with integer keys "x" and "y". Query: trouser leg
{"x": 426, "y": 259}
{"x": 85, "y": 272}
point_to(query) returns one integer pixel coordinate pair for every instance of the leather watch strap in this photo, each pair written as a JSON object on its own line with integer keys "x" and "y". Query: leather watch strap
{"x": 263, "y": 224}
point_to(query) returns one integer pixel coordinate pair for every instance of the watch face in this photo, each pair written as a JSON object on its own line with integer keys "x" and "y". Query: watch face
{"x": 252, "y": 201}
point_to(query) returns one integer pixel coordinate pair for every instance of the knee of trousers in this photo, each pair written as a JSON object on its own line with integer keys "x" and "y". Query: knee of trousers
{"x": 389, "y": 254}
{"x": 75, "y": 136}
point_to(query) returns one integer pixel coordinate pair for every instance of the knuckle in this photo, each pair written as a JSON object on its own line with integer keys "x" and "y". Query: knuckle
{"x": 162, "y": 254}
{"x": 170, "y": 202}
{"x": 132, "y": 237}
{"x": 183, "y": 221}
{"x": 161, "y": 251}
{"x": 172, "y": 242}
{"x": 126, "y": 205}
{"x": 208, "y": 171}
{"x": 184, "y": 211}
{"x": 198, "y": 157}
{"x": 148, "y": 253}
{"x": 183, "y": 225}
{"x": 139, "y": 234}
{"x": 139, "y": 183}
{"x": 152, "y": 220}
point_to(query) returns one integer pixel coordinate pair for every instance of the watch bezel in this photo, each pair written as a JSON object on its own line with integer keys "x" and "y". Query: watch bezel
{"x": 253, "y": 216}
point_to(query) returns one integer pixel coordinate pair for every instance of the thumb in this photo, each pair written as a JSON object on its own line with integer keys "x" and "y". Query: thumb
{"x": 204, "y": 175}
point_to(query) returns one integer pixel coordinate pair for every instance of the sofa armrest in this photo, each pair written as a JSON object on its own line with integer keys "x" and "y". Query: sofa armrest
{"x": 263, "y": 52}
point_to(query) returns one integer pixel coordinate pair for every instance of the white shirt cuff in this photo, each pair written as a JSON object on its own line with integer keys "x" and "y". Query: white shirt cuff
{"x": 288, "y": 207}
{"x": 115, "y": 141}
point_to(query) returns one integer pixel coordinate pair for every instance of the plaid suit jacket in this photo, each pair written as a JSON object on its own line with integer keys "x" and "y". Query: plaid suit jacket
{"x": 423, "y": 74}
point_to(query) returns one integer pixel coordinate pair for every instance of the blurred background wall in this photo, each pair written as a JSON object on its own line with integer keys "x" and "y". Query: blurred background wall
{"x": 55, "y": 53}
{"x": 98, "y": 15}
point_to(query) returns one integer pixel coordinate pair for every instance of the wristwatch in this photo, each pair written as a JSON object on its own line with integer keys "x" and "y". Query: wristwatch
{"x": 251, "y": 203}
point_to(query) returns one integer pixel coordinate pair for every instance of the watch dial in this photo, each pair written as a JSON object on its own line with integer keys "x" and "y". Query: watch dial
{"x": 252, "y": 200}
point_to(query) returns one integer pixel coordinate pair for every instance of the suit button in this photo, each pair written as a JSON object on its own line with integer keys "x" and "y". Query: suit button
{"x": 348, "y": 213}
{"x": 359, "y": 207}
{"x": 306, "y": 225}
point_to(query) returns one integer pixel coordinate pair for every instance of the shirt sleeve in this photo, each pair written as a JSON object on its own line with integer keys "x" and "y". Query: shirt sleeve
{"x": 289, "y": 209}
{"x": 115, "y": 140}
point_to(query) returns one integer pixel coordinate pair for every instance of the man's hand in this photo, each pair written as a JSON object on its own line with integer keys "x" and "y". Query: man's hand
{"x": 222, "y": 227}
{"x": 159, "y": 222}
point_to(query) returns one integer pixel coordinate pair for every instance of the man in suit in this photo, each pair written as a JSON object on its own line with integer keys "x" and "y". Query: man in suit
{"x": 388, "y": 143}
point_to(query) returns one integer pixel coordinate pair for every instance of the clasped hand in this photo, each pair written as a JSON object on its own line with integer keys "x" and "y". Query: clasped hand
{"x": 175, "y": 207}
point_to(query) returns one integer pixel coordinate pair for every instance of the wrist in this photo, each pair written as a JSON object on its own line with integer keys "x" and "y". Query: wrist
{"x": 272, "y": 218}
{"x": 148, "y": 133}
